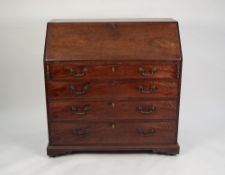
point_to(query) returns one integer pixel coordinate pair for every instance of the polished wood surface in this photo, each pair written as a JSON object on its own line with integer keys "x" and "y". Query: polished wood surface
{"x": 129, "y": 132}
{"x": 73, "y": 71}
{"x": 113, "y": 41}
{"x": 109, "y": 110}
{"x": 115, "y": 88}
{"x": 113, "y": 85}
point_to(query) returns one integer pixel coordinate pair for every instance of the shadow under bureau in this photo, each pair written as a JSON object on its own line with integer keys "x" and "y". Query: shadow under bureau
{"x": 112, "y": 85}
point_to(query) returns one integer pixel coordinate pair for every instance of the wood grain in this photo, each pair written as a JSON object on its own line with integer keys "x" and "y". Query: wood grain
{"x": 113, "y": 41}
{"x": 113, "y": 85}
{"x": 115, "y": 88}
{"x": 105, "y": 133}
{"x": 104, "y": 110}
{"x": 82, "y": 70}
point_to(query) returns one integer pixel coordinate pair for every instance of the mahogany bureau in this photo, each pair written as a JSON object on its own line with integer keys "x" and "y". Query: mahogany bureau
{"x": 112, "y": 85}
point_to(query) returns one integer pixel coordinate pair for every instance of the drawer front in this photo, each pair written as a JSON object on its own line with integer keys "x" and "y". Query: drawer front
{"x": 78, "y": 133}
{"x": 72, "y": 71}
{"x": 103, "y": 110}
{"x": 109, "y": 89}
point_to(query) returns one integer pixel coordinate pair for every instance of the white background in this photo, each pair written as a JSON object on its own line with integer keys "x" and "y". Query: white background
{"x": 23, "y": 124}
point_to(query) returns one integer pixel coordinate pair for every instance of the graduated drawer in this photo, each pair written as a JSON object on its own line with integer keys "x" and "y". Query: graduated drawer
{"x": 103, "y": 110}
{"x": 129, "y": 132}
{"x": 115, "y": 88}
{"x": 73, "y": 71}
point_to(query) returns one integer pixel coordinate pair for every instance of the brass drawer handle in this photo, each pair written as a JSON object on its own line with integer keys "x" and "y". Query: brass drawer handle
{"x": 81, "y": 132}
{"x": 79, "y": 91}
{"x": 146, "y": 109}
{"x": 149, "y": 132}
{"x": 82, "y": 73}
{"x": 151, "y": 89}
{"x": 80, "y": 110}
{"x": 147, "y": 73}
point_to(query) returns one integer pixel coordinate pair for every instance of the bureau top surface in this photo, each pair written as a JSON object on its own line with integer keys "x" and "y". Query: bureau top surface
{"x": 115, "y": 39}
